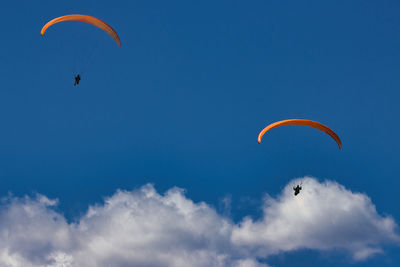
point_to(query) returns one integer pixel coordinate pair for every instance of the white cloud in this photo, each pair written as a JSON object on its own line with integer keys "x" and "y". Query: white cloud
{"x": 323, "y": 216}
{"x": 144, "y": 228}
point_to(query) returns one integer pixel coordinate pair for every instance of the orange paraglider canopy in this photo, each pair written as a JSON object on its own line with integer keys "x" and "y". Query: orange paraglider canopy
{"x": 310, "y": 123}
{"x": 84, "y": 18}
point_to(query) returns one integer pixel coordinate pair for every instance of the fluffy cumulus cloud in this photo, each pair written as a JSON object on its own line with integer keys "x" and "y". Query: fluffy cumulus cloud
{"x": 145, "y": 228}
{"x": 323, "y": 216}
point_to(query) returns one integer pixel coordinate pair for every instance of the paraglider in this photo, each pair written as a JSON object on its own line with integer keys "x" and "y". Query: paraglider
{"x": 310, "y": 123}
{"x": 77, "y": 79}
{"x": 87, "y": 19}
{"x": 297, "y": 189}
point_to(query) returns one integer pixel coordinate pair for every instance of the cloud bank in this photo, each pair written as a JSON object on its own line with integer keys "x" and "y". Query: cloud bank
{"x": 145, "y": 228}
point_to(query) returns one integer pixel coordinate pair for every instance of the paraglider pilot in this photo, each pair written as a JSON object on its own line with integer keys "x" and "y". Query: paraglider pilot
{"x": 77, "y": 79}
{"x": 296, "y": 190}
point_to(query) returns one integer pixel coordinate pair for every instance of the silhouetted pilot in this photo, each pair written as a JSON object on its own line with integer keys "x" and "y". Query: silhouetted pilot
{"x": 77, "y": 79}
{"x": 296, "y": 190}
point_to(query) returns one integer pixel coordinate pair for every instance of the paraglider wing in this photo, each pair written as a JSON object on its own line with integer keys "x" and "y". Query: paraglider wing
{"x": 84, "y": 18}
{"x": 310, "y": 123}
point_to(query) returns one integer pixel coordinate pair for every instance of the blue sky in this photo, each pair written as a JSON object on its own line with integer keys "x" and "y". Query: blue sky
{"x": 181, "y": 102}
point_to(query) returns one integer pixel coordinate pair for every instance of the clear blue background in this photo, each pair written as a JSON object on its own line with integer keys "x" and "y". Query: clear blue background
{"x": 182, "y": 101}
